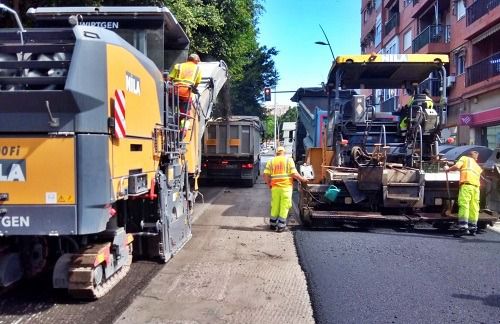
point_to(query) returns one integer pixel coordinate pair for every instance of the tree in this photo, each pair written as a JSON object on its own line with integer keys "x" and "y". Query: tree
{"x": 290, "y": 115}
{"x": 259, "y": 73}
{"x": 268, "y": 122}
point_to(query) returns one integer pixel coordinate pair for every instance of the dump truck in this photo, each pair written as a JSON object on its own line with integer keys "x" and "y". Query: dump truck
{"x": 94, "y": 165}
{"x": 368, "y": 169}
{"x": 231, "y": 150}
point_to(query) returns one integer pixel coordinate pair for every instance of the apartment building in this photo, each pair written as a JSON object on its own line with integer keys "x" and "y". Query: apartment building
{"x": 467, "y": 30}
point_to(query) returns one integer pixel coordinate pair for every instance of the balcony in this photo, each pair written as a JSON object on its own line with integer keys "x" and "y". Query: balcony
{"x": 392, "y": 23}
{"x": 479, "y": 9}
{"x": 483, "y": 70}
{"x": 434, "y": 34}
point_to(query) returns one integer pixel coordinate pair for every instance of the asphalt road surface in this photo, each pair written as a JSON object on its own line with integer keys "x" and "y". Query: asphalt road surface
{"x": 385, "y": 276}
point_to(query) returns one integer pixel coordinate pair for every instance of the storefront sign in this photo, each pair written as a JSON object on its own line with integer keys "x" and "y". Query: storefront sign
{"x": 465, "y": 119}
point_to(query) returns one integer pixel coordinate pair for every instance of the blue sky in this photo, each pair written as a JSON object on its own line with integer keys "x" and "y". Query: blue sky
{"x": 292, "y": 27}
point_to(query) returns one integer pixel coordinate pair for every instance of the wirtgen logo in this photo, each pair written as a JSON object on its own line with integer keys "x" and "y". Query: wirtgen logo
{"x": 12, "y": 170}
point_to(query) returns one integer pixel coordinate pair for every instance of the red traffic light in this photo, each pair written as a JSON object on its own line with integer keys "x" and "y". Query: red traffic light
{"x": 267, "y": 94}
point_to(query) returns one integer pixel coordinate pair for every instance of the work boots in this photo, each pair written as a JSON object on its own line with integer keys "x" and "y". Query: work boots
{"x": 272, "y": 224}
{"x": 472, "y": 229}
{"x": 461, "y": 232}
{"x": 281, "y": 225}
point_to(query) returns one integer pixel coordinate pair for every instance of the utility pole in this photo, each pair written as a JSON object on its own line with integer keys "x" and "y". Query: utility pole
{"x": 275, "y": 122}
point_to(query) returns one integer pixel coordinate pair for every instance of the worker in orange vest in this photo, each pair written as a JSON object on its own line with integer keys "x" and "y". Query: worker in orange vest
{"x": 468, "y": 195}
{"x": 279, "y": 174}
{"x": 186, "y": 77}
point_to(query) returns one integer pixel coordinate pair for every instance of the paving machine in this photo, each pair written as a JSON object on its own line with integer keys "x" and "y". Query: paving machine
{"x": 369, "y": 169}
{"x": 94, "y": 166}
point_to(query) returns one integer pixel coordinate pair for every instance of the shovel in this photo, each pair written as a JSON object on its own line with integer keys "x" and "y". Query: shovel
{"x": 449, "y": 207}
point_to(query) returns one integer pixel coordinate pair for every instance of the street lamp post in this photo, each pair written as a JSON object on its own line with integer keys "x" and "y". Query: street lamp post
{"x": 275, "y": 122}
{"x": 325, "y": 43}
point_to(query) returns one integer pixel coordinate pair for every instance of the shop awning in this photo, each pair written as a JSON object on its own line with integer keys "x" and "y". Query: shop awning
{"x": 482, "y": 118}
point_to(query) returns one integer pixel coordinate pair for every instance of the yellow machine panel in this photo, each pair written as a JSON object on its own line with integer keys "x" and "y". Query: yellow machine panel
{"x": 393, "y": 58}
{"x": 131, "y": 154}
{"x": 35, "y": 171}
{"x": 142, "y": 112}
{"x": 126, "y": 73}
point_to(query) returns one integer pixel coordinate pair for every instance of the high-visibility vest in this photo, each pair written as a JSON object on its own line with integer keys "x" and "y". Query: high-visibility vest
{"x": 403, "y": 125}
{"x": 429, "y": 102}
{"x": 280, "y": 168}
{"x": 470, "y": 171}
{"x": 185, "y": 76}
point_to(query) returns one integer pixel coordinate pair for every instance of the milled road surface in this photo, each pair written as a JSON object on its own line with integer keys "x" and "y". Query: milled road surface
{"x": 234, "y": 270}
{"x": 385, "y": 276}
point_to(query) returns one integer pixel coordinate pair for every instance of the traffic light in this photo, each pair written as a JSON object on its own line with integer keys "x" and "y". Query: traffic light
{"x": 267, "y": 94}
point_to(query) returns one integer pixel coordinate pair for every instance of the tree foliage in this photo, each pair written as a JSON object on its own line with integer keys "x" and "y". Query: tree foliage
{"x": 218, "y": 29}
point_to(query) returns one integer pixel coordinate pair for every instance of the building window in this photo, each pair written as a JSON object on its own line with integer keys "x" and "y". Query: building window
{"x": 493, "y": 137}
{"x": 407, "y": 40}
{"x": 460, "y": 62}
{"x": 378, "y": 30}
{"x": 377, "y": 4}
{"x": 392, "y": 47}
{"x": 460, "y": 9}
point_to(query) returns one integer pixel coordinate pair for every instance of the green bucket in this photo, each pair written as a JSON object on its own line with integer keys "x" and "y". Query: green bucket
{"x": 331, "y": 193}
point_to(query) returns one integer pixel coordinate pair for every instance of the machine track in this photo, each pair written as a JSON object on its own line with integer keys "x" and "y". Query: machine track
{"x": 86, "y": 280}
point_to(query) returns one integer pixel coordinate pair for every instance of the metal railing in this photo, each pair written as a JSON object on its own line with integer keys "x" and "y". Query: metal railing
{"x": 482, "y": 70}
{"x": 431, "y": 84}
{"x": 480, "y": 8}
{"x": 431, "y": 34}
{"x": 391, "y": 23}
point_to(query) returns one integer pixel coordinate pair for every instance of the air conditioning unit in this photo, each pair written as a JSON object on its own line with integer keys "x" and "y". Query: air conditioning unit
{"x": 450, "y": 81}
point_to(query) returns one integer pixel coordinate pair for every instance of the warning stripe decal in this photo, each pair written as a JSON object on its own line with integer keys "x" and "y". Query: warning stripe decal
{"x": 119, "y": 108}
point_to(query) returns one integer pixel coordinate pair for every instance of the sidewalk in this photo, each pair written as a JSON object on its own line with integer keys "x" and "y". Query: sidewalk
{"x": 234, "y": 270}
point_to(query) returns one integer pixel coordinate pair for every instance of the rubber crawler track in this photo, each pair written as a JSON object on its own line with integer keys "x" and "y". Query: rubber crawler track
{"x": 86, "y": 289}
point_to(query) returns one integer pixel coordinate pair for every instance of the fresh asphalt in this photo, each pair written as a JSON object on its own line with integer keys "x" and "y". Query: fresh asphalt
{"x": 386, "y": 276}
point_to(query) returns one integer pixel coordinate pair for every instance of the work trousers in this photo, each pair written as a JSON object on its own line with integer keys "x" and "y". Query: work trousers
{"x": 281, "y": 202}
{"x": 468, "y": 205}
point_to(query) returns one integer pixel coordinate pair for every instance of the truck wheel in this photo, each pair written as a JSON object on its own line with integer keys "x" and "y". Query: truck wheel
{"x": 248, "y": 182}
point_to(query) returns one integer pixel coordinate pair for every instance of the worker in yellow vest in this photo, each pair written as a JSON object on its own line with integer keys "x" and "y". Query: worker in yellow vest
{"x": 186, "y": 77}
{"x": 405, "y": 111}
{"x": 279, "y": 174}
{"x": 468, "y": 195}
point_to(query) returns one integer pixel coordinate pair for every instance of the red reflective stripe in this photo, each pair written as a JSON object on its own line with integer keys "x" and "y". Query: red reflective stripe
{"x": 119, "y": 114}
